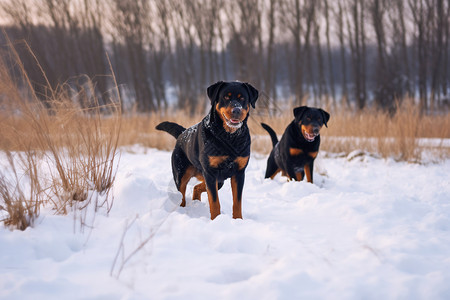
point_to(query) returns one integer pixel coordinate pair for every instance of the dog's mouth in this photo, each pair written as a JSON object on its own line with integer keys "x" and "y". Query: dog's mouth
{"x": 310, "y": 137}
{"x": 232, "y": 123}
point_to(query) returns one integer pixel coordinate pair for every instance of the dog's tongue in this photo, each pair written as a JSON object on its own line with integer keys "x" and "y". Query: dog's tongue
{"x": 234, "y": 121}
{"x": 309, "y": 137}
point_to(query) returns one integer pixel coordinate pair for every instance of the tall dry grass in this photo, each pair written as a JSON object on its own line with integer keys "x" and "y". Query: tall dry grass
{"x": 68, "y": 153}
{"x": 398, "y": 136}
{"x": 21, "y": 205}
{"x": 407, "y": 135}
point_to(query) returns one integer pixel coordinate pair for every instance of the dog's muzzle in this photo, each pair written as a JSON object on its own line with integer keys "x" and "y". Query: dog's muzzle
{"x": 311, "y": 137}
{"x": 233, "y": 122}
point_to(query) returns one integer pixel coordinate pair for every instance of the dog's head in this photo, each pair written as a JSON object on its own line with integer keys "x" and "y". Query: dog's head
{"x": 310, "y": 120}
{"x": 231, "y": 101}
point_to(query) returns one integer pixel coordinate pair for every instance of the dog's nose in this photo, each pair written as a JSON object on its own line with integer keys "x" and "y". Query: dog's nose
{"x": 316, "y": 130}
{"x": 236, "y": 110}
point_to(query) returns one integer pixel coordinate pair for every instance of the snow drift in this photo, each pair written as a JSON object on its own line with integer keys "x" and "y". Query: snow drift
{"x": 366, "y": 229}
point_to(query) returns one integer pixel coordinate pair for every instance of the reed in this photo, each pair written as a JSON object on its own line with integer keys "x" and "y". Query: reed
{"x": 398, "y": 136}
{"x": 68, "y": 152}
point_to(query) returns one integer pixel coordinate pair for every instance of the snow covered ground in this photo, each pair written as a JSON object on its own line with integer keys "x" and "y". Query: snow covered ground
{"x": 367, "y": 229}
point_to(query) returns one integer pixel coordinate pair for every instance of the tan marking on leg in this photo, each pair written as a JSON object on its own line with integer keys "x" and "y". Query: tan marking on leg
{"x": 199, "y": 176}
{"x": 299, "y": 176}
{"x": 275, "y": 174}
{"x": 237, "y": 203}
{"x": 214, "y": 206}
{"x": 198, "y": 190}
{"x": 308, "y": 173}
{"x": 190, "y": 172}
{"x": 313, "y": 154}
{"x": 215, "y": 161}
{"x": 183, "y": 192}
{"x": 241, "y": 162}
{"x": 295, "y": 151}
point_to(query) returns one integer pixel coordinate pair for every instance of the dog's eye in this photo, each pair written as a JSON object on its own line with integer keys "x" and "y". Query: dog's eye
{"x": 226, "y": 98}
{"x": 308, "y": 118}
{"x": 242, "y": 99}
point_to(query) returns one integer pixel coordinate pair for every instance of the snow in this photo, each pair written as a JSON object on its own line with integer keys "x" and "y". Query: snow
{"x": 368, "y": 228}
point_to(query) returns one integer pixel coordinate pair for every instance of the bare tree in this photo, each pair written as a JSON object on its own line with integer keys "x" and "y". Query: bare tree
{"x": 321, "y": 81}
{"x": 331, "y": 81}
{"x": 244, "y": 19}
{"x": 446, "y": 60}
{"x": 419, "y": 13}
{"x": 298, "y": 19}
{"x": 71, "y": 45}
{"x": 383, "y": 94}
{"x": 204, "y": 15}
{"x": 129, "y": 18}
{"x": 399, "y": 41}
{"x": 438, "y": 21}
{"x": 357, "y": 41}
{"x": 186, "y": 77}
{"x": 341, "y": 35}
{"x": 270, "y": 70}
{"x": 382, "y": 50}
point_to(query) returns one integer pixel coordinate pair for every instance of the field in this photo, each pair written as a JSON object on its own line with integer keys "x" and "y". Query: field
{"x": 90, "y": 209}
{"x": 369, "y": 228}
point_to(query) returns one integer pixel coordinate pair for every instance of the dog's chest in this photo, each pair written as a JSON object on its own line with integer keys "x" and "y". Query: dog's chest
{"x": 227, "y": 165}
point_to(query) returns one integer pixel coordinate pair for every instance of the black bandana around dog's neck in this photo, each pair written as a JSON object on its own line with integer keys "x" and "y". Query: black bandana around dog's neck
{"x": 234, "y": 144}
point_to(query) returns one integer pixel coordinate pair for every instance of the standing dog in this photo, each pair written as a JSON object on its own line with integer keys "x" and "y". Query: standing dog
{"x": 217, "y": 148}
{"x": 295, "y": 153}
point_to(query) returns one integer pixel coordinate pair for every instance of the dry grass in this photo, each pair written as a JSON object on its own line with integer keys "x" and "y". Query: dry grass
{"x": 373, "y": 131}
{"x": 74, "y": 147}
{"x": 396, "y": 136}
{"x": 22, "y": 206}
{"x": 140, "y": 129}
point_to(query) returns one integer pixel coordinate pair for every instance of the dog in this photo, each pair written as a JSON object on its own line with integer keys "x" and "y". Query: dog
{"x": 217, "y": 148}
{"x": 295, "y": 153}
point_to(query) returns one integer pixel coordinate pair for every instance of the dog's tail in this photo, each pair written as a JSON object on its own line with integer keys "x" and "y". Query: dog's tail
{"x": 272, "y": 133}
{"x": 173, "y": 128}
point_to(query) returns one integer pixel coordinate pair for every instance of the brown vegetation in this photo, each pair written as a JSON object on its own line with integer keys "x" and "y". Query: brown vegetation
{"x": 67, "y": 154}
{"x": 370, "y": 130}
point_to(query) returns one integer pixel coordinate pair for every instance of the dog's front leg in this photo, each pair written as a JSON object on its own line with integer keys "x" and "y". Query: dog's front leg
{"x": 291, "y": 172}
{"x": 309, "y": 167}
{"x": 213, "y": 197}
{"x": 237, "y": 185}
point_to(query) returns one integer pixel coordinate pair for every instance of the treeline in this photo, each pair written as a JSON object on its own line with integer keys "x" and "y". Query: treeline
{"x": 349, "y": 52}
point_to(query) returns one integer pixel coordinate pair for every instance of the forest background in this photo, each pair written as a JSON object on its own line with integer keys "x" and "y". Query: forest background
{"x": 347, "y": 53}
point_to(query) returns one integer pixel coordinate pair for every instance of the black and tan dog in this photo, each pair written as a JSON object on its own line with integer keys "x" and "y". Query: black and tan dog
{"x": 295, "y": 153}
{"x": 217, "y": 148}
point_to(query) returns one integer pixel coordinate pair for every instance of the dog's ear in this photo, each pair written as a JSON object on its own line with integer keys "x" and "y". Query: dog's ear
{"x": 299, "y": 111}
{"x": 213, "y": 91}
{"x": 326, "y": 116}
{"x": 252, "y": 92}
